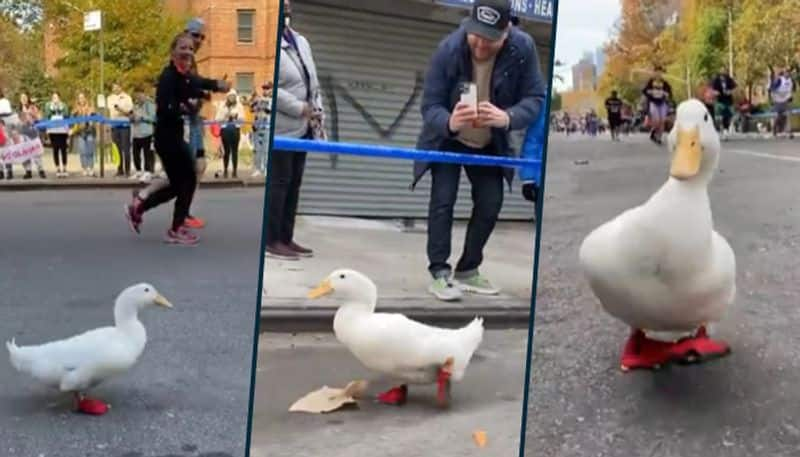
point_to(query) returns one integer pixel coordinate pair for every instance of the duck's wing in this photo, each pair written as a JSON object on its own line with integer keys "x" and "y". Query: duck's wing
{"x": 85, "y": 353}
{"x": 393, "y": 343}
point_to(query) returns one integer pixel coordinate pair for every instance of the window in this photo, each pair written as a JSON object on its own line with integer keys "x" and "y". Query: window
{"x": 244, "y": 27}
{"x": 244, "y": 83}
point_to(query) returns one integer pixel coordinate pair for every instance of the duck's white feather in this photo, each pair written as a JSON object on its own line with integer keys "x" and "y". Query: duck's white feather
{"x": 661, "y": 266}
{"x": 79, "y": 362}
{"x": 405, "y": 349}
{"x": 83, "y": 361}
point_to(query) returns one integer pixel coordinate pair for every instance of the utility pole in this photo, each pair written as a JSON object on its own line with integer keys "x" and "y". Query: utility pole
{"x": 93, "y": 21}
{"x": 730, "y": 38}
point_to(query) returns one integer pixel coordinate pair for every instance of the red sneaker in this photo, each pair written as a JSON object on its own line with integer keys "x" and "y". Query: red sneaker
{"x": 643, "y": 352}
{"x": 181, "y": 236}
{"x": 133, "y": 213}
{"x": 92, "y": 407}
{"x": 396, "y": 396}
{"x": 699, "y": 348}
{"x": 194, "y": 222}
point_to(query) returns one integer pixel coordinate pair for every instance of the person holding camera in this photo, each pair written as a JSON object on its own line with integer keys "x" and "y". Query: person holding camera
{"x": 230, "y": 114}
{"x": 500, "y": 65}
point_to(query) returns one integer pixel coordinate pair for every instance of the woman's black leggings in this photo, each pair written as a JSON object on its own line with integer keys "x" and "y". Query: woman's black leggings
{"x": 59, "y": 143}
{"x": 230, "y": 144}
{"x": 178, "y": 164}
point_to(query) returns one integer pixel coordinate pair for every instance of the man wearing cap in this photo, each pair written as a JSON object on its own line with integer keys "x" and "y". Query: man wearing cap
{"x": 501, "y": 63}
{"x": 196, "y": 28}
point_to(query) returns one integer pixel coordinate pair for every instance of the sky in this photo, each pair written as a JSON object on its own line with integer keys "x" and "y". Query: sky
{"x": 582, "y": 26}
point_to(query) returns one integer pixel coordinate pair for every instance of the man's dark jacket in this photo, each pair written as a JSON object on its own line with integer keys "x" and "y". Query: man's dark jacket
{"x": 517, "y": 87}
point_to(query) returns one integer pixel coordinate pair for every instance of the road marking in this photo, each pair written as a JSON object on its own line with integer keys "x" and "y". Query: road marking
{"x": 764, "y": 155}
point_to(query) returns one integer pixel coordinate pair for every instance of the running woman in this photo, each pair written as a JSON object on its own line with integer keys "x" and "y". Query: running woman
{"x": 175, "y": 97}
{"x": 659, "y": 94}
{"x": 614, "y": 110}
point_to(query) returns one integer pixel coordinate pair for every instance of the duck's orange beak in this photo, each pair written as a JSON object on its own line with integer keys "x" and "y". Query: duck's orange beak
{"x": 688, "y": 154}
{"x": 325, "y": 288}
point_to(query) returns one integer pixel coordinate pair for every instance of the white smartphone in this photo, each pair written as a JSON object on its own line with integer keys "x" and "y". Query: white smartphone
{"x": 470, "y": 96}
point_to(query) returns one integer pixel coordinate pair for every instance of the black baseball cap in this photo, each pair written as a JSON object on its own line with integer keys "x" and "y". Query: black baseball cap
{"x": 489, "y": 18}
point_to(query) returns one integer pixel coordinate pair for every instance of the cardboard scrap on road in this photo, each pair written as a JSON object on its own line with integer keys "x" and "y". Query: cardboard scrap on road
{"x": 328, "y": 399}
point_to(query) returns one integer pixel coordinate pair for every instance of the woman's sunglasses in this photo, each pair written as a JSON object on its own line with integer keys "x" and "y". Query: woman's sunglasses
{"x": 199, "y": 36}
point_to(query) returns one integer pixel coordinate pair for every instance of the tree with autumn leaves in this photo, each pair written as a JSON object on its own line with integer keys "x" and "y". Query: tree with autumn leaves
{"x": 690, "y": 39}
{"x": 137, "y": 34}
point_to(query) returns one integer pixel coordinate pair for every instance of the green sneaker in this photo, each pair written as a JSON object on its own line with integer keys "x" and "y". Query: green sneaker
{"x": 477, "y": 285}
{"x": 442, "y": 289}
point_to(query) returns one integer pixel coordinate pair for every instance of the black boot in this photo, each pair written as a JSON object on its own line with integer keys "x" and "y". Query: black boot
{"x": 28, "y": 175}
{"x": 42, "y": 174}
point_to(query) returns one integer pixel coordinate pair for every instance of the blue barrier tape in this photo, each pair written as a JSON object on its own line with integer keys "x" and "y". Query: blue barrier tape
{"x": 328, "y": 147}
{"x": 295, "y": 145}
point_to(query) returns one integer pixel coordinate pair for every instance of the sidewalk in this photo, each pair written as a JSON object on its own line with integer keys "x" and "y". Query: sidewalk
{"x": 396, "y": 261}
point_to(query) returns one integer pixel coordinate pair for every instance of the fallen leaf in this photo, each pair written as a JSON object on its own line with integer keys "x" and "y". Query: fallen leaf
{"x": 479, "y": 436}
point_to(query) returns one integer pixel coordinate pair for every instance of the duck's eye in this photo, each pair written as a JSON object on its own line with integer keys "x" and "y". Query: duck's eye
{"x": 147, "y": 289}
{"x": 705, "y": 118}
{"x": 341, "y": 276}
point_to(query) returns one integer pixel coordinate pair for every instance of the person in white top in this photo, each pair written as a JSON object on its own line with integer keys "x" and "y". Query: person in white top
{"x": 120, "y": 108}
{"x": 5, "y": 105}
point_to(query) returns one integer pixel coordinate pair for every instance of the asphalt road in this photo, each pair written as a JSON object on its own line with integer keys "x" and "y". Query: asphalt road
{"x": 747, "y": 404}
{"x": 489, "y": 399}
{"x": 64, "y": 256}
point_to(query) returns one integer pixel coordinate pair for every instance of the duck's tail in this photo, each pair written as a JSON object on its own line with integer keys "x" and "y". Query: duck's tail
{"x": 471, "y": 336}
{"x": 18, "y": 357}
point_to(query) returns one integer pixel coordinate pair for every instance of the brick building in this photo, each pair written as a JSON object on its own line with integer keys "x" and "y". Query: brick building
{"x": 240, "y": 39}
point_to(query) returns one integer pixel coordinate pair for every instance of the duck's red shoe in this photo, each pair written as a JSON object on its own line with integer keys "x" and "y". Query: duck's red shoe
{"x": 699, "y": 348}
{"x": 641, "y": 352}
{"x": 443, "y": 384}
{"x": 396, "y": 396}
{"x": 92, "y": 407}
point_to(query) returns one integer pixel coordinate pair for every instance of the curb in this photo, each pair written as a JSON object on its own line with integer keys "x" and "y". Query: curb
{"x": 320, "y": 319}
{"x": 113, "y": 183}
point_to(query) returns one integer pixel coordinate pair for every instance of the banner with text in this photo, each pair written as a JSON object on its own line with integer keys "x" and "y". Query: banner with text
{"x": 21, "y": 152}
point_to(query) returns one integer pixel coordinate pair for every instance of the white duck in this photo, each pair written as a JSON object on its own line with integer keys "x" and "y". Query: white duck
{"x": 82, "y": 362}
{"x": 392, "y": 344}
{"x": 660, "y": 267}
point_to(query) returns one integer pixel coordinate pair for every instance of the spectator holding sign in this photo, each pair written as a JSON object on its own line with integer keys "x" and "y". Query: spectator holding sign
{"x": 506, "y": 93}
{"x": 28, "y": 130}
{"x": 31, "y": 114}
{"x": 57, "y": 110}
